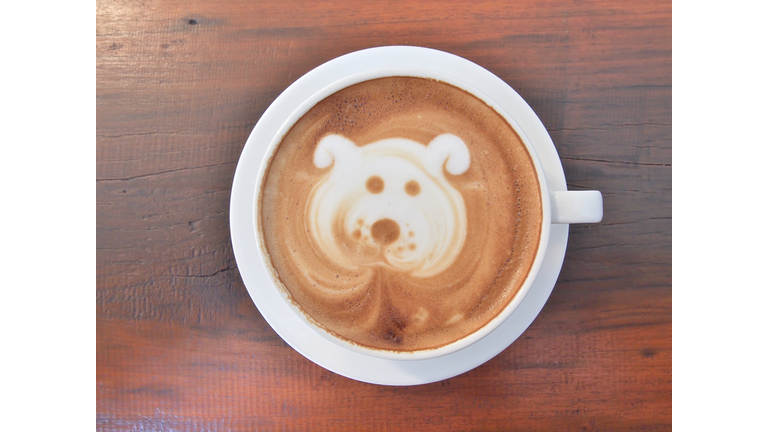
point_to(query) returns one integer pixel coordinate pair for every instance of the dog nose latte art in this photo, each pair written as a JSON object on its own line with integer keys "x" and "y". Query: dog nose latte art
{"x": 401, "y": 213}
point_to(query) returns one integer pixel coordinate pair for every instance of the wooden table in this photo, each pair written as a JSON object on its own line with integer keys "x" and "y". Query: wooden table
{"x": 180, "y": 344}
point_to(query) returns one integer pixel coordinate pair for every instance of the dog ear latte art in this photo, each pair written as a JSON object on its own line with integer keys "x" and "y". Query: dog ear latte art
{"x": 401, "y": 214}
{"x": 388, "y": 203}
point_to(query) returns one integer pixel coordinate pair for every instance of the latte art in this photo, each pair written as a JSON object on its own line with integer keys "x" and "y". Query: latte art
{"x": 388, "y": 203}
{"x": 400, "y": 214}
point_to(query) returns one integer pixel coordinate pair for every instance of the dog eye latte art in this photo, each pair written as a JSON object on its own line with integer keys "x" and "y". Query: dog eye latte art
{"x": 401, "y": 213}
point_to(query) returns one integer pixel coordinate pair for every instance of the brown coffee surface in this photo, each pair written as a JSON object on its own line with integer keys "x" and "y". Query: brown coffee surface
{"x": 366, "y": 300}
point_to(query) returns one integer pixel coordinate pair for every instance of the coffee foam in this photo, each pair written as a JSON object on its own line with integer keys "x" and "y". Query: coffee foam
{"x": 398, "y": 185}
{"x": 401, "y": 213}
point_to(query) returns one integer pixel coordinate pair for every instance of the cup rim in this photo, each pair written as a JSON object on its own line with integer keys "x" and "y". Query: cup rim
{"x": 359, "y": 77}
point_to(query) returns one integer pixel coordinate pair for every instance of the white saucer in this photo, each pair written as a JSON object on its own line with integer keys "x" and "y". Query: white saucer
{"x": 272, "y": 307}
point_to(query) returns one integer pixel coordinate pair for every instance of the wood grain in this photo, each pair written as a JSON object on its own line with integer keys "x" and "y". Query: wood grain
{"x": 180, "y": 345}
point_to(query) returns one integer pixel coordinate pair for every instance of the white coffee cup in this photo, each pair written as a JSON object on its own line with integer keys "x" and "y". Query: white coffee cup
{"x": 558, "y": 207}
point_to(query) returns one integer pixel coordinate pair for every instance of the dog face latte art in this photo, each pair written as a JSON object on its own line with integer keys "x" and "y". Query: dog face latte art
{"x": 389, "y": 203}
{"x": 401, "y": 213}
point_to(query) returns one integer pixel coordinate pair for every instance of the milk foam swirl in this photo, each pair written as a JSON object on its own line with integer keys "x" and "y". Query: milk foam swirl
{"x": 412, "y": 220}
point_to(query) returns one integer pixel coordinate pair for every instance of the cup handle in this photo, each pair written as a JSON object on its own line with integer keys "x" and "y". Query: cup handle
{"x": 576, "y": 207}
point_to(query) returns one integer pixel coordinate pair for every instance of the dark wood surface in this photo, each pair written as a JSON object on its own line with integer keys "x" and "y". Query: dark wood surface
{"x": 180, "y": 344}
